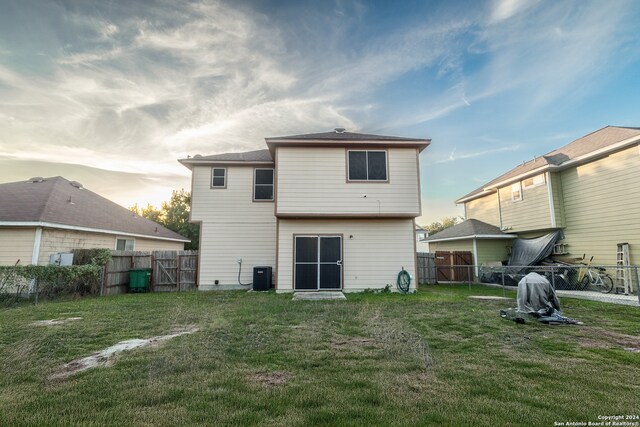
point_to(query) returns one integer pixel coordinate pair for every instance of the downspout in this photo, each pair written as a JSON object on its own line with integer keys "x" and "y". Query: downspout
{"x": 34, "y": 257}
{"x": 475, "y": 256}
{"x": 36, "y": 246}
{"x": 499, "y": 208}
{"x": 552, "y": 208}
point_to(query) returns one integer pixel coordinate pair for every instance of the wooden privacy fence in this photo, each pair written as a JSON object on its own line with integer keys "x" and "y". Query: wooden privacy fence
{"x": 171, "y": 270}
{"x": 426, "y": 268}
{"x": 451, "y": 266}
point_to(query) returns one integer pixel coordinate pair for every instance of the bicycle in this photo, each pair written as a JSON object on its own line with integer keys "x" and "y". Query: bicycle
{"x": 598, "y": 279}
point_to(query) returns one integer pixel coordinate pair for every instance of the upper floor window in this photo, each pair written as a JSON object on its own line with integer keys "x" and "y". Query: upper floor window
{"x": 533, "y": 181}
{"x": 367, "y": 165}
{"x": 218, "y": 178}
{"x": 516, "y": 192}
{"x": 124, "y": 244}
{"x": 263, "y": 184}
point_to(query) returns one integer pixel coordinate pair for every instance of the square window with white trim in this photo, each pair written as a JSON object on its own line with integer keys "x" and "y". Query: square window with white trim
{"x": 125, "y": 244}
{"x": 516, "y": 192}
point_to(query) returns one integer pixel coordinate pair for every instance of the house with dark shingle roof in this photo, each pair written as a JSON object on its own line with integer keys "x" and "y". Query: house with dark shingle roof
{"x": 326, "y": 211}
{"x": 589, "y": 189}
{"x": 45, "y": 216}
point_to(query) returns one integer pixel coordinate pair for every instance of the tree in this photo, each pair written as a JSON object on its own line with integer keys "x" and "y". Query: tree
{"x": 445, "y": 222}
{"x": 174, "y": 215}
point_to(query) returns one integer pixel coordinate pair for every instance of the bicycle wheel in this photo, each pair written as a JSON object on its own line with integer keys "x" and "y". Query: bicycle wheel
{"x": 584, "y": 283}
{"x": 606, "y": 284}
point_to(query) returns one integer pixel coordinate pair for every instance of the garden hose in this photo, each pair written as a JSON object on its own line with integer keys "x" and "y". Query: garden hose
{"x": 404, "y": 281}
{"x": 240, "y": 271}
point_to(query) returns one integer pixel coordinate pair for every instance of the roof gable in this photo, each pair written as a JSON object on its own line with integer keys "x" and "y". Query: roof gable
{"x": 59, "y": 201}
{"x": 470, "y": 228}
{"x": 340, "y": 137}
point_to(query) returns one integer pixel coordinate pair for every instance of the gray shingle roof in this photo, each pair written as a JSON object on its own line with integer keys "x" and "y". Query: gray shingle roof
{"x": 344, "y": 136}
{"x": 597, "y": 140}
{"x": 247, "y": 156}
{"x": 469, "y": 228}
{"x": 56, "y": 200}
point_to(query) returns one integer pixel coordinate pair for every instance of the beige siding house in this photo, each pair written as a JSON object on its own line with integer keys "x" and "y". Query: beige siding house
{"x": 46, "y": 216}
{"x": 590, "y": 189}
{"x": 327, "y": 211}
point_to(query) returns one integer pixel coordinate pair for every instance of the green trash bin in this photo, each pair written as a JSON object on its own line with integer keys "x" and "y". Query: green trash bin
{"x": 139, "y": 279}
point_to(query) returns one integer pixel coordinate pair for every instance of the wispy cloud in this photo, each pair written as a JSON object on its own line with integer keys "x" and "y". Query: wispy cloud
{"x": 452, "y": 157}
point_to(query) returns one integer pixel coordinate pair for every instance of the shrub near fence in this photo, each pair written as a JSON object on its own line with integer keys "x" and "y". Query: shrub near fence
{"x": 47, "y": 281}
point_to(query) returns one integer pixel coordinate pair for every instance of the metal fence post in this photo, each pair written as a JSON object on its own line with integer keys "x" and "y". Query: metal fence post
{"x": 637, "y": 284}
{"x": 553, "y": 279}
{"x": 503, "y": 292}
{"x": 469, "y": 275}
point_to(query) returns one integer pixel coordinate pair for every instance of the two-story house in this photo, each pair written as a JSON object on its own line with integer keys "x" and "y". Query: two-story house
{"x": 589, "y": 189}
{"x": 328, "y": 211}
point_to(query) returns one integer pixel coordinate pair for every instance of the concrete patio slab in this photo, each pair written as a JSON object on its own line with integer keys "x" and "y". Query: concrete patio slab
{"x": 316, "y": 296}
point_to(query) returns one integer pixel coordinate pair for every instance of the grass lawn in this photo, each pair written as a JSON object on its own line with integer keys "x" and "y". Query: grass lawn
{"x": 433, "y": 358}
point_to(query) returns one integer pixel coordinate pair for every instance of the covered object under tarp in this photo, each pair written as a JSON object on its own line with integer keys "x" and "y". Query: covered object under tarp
{"x": 525, "y": 252}
{"x": 536, "y": 296}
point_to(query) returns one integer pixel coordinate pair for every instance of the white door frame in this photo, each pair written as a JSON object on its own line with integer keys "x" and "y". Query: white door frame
{"x": 318, "y": 262}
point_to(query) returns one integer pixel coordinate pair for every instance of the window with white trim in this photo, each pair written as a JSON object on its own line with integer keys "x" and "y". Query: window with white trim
{"x": 367, "y": 165}
{"x": 125, "y": 244}
{"x": 218, "y": 178}
{"x": 534, "y": 181}
{"x": 263, "y": 184}
{"x": 516, "y": 192}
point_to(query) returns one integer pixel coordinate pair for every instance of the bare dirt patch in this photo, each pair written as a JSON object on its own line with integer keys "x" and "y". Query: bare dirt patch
{"x": 54, "y": 322}
{"x": 490, "y": 298}
{"x": 271, "y": 379}
{"x": 602, "y": 338}
{"x": 348, "y": 343}
{"x": 104, "y": 357}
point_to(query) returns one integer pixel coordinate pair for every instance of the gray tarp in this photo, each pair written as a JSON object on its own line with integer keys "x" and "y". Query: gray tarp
{"x": 526, "y": 252}
{"x": 536, "y": 296}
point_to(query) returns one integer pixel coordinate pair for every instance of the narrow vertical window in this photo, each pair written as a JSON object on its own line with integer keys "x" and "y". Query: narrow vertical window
{"x": 218, "y": 178}
{"x": 263, "y": 184}
{"x": 516, "y": 192}
{"x": 367, "y": 165}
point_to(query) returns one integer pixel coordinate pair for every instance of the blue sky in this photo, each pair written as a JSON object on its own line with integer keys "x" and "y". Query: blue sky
{"x": 111, "y": 93}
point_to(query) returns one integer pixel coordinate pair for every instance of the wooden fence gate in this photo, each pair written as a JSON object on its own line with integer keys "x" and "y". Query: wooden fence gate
{"x": 451, "y": 266}
{"x": 426, "y": 268}
{"x": 174, "y": 271}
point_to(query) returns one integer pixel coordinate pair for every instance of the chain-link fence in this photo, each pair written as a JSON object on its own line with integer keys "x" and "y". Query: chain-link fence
{"x": 601, "y": 283}
{"x": 33, "y": 282}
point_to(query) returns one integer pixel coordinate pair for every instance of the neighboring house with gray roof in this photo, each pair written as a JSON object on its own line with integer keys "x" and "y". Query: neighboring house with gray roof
{"x": 486, "y": 242}
{"x": 328, "y": 211}
{"x": 45, "y": 216}
{"x": 589, "y": 188}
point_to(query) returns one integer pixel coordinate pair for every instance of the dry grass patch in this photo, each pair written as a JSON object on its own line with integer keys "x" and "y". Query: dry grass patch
{"x": 271, "y": 379}
{"x": 601, "y": 338}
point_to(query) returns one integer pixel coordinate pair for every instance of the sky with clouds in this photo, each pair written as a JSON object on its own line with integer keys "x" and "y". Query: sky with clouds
{"x": 110, "y": 93}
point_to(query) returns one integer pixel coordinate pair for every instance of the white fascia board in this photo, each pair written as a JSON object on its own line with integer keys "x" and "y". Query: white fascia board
{"x": 475, "y": 236}
{"x": 87, "y": 229}
{"x": 569, "y": 163}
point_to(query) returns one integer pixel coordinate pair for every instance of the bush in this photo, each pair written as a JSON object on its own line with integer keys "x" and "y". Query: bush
{"x": 54, "y": 280}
